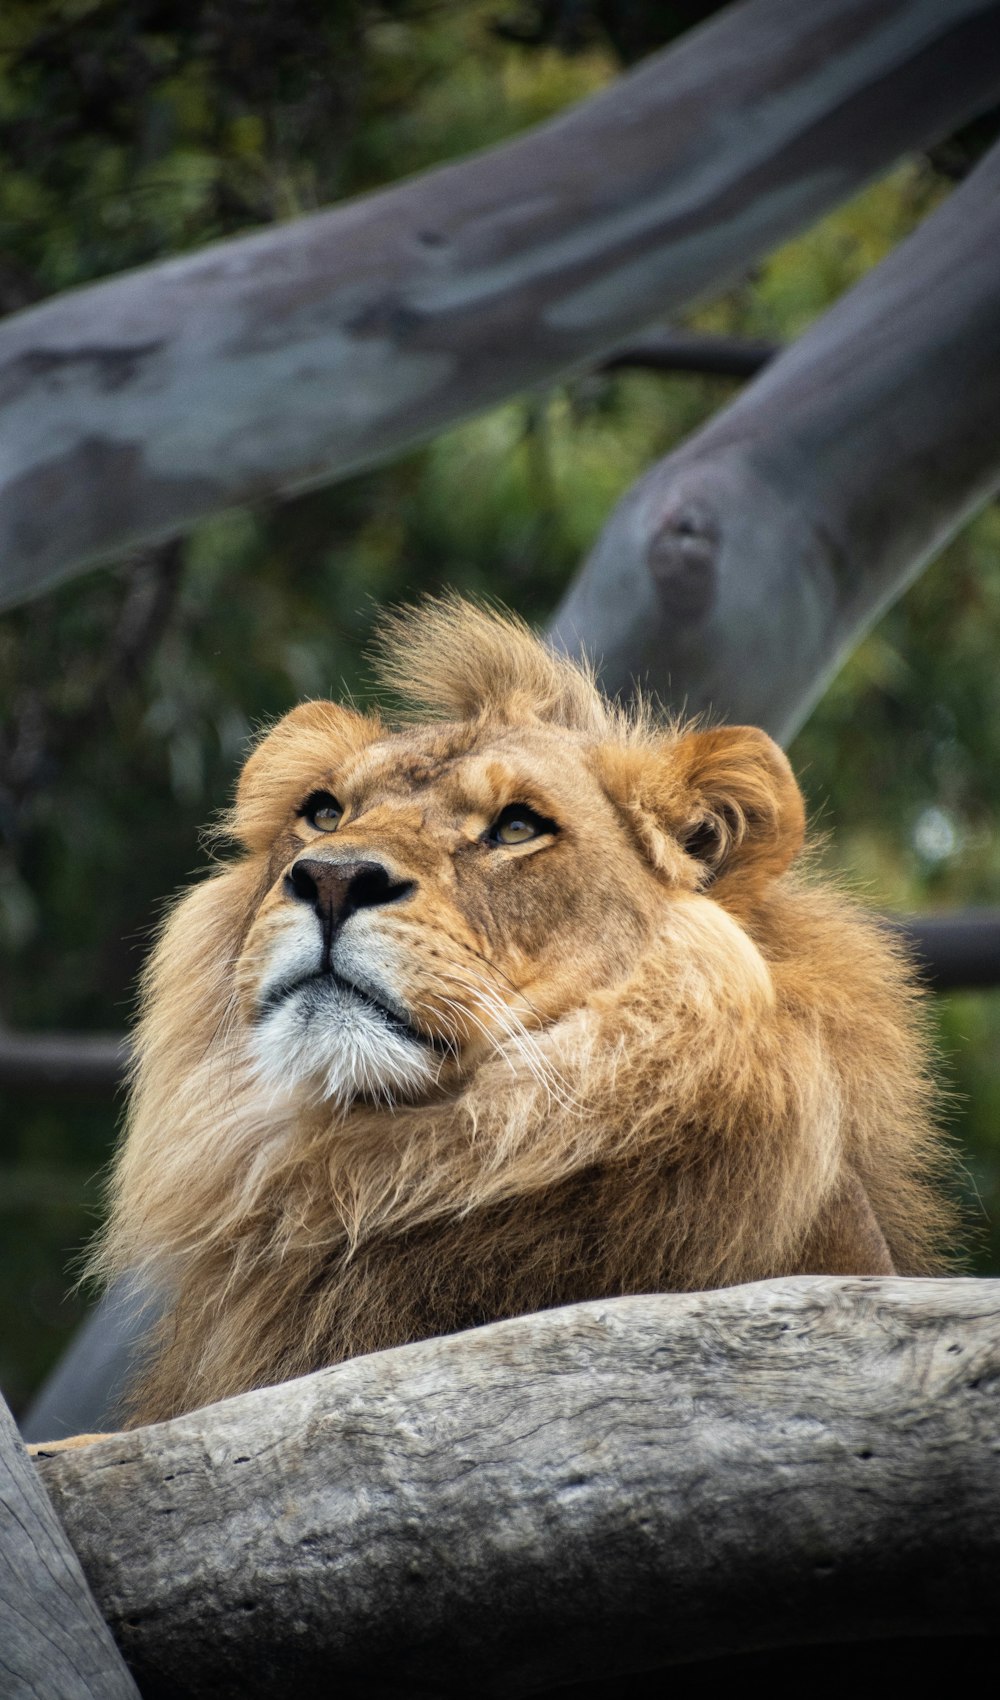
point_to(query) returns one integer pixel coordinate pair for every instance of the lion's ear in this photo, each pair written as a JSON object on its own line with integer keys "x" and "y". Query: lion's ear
{"x": 302, "y": 753}
{"x": 737, "y": 805}
{"x": 708, "y": 805}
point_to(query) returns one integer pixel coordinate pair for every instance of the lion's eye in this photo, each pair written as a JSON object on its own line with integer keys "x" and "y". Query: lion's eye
{"x": 322, "y": 811}
{"x": 517, "y": 824}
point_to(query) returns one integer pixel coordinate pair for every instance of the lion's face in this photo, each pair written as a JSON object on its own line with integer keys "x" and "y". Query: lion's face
{"x": 427, "y": 896}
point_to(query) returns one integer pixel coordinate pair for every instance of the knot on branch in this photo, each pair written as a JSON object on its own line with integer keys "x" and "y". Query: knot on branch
{"x": 682, "y": 556}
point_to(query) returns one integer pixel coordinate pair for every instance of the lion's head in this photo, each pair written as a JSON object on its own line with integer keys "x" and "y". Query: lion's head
{"x": 513, "y": 1001}
{"x": 431, "y": 892}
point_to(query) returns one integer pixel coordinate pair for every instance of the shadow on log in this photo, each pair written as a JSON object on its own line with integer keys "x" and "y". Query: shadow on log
{"x": 613, "y": 1488}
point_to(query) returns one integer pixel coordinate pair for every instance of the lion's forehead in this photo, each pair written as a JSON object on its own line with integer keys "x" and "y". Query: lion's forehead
{"x": 455, "y": 772}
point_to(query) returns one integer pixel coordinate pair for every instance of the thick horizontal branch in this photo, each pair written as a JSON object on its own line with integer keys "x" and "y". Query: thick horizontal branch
{"x": 586, "y": 1493}
{"x": 63, "y": 1062}
{"x": 278, "y": 361}
{"x": 740, "y": 571}
{"x": 952, "y": 951}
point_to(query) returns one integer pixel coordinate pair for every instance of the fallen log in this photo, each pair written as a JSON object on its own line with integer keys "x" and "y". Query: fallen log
{"x": 267, "y": 364}
{"x": 578, "y": 1495}
{"x": 739, "y": 572}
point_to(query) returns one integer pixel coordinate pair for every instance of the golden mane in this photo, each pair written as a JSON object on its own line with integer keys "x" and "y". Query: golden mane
{"x": 729, "y": 1080}
{"x": 457, "y": 660}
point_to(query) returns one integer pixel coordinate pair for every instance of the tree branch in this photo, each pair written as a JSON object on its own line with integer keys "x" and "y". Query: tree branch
{"x": 589, "y": 1492}
{"x": 63, "y": 1062}
{"x": 678, "y": 350}
{"x": 282, "y": 360}
{"x": 951, "y": 951}
{"x": 740, "y": 571}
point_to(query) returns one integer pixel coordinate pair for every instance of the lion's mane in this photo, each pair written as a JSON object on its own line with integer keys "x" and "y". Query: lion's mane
{"x": 749, "y": 1097}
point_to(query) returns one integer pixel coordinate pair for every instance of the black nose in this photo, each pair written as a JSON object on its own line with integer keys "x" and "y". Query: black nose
{"x": 336, "y": 889}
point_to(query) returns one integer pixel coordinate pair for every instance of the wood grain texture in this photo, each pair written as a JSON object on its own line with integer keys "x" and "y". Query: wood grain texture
{"x": 130, "y": 409}
{"x": 739, "y": 573}
{"x": 54, "y": 1644}
{"x": 610, "y": 1488}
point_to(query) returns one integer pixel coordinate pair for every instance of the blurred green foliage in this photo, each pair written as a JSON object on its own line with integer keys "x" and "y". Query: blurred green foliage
{"x": 132, "y": 129}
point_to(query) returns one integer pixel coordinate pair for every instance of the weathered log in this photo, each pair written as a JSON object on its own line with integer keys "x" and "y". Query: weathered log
{"x": 281, "y": 360}
{"x": 54, "y": 1644}
{"x": 739, "y": 572}
{"x": 581, "y": 1494}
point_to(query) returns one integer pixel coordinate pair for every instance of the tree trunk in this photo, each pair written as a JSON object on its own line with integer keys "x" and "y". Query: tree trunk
{"x": 131, "y": 409}
{"x": 738, "y": 574}
{"x": 605, "y": 1489}
{"x": 54, "y": 1644}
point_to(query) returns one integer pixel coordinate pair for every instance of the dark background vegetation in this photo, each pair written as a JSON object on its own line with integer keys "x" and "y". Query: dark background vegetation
{"x": 131, "y": 130}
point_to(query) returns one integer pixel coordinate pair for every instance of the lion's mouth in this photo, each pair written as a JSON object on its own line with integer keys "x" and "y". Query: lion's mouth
{"x": 325, "y": 978}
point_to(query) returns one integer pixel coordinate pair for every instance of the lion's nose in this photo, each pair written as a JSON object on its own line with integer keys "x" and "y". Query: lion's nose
{"x": 337, "y": 889}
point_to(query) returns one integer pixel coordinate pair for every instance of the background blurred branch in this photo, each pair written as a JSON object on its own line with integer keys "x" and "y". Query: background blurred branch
{"x": 739, "y": 572}
{"x": 63, "y": 1062}
{"x": 951, "y": 951}
{"x": 677, "y": 350}
{"x": 277, "y": 361}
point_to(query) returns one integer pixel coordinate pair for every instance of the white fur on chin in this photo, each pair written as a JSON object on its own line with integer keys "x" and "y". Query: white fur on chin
{"x": 323, "y": 1033}
{"x": 313, "y": 1030}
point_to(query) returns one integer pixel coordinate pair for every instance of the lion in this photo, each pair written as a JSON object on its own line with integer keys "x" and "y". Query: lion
{"x": 517, "y": 999}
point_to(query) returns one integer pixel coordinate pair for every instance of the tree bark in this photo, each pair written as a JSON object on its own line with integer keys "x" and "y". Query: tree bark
{"x": 582, "y": 1494}
{"x": 738, "y": 573}
{"x": 131, "y": 409}
{"x": 54, "y": 1644}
